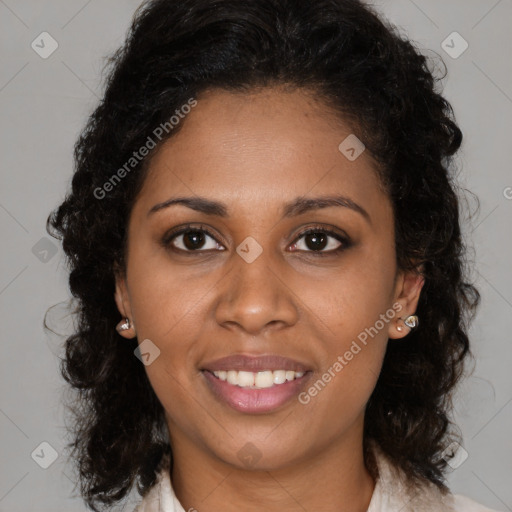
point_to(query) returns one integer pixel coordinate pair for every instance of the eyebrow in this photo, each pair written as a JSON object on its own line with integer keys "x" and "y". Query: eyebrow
{"x": 298, "y": 206}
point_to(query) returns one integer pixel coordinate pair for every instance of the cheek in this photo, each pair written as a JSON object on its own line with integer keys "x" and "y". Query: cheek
{"x": 174, "y": 392}
{"x": 169, "y": 312}
{"x": 358, "y": 312}
{"x": 339, "y": 393}
{"x": 166, "y": 300}
{"x": 353, "y": 298}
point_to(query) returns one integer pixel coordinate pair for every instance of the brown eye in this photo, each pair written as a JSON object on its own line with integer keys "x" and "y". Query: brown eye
{"x": 190, "y": 239}
{"x": 316, "y": 241}
{"x": 193, "y": 239}
{"x": 321, "y": 242}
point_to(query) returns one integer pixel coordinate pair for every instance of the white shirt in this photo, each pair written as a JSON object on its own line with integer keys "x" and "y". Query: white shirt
{"x": 392, "y": 493}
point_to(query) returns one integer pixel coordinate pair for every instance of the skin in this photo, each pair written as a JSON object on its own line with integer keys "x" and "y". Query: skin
{"x": 255, "y": 152}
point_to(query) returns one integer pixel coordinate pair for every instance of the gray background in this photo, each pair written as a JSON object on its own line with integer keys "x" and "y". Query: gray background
{"x": 45, "y": 102}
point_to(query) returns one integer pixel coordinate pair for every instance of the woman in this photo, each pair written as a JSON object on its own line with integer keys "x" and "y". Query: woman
{"x": 264, "y": 241}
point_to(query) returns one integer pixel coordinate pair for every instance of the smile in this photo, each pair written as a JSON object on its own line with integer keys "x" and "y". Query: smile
{"x": 255, "y": 392}
{"x": 257, "y": 380}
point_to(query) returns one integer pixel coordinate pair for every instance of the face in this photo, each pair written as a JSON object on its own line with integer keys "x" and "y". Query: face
{"x": 305, "y": 295}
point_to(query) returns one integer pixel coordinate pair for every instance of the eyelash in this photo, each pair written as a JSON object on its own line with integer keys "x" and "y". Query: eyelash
{"x": 345, "y": 241}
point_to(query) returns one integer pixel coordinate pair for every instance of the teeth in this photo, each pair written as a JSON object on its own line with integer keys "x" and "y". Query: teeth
{"x": 257, "y": 380}
{"x": 279, "y": 376}
{"x": 245, "y": 379}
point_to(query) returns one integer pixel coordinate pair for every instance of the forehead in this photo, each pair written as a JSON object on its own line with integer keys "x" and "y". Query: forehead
{"x": 259, "y": 149}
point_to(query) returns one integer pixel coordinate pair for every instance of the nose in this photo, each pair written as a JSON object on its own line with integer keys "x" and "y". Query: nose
{"x": 256, "y": 296}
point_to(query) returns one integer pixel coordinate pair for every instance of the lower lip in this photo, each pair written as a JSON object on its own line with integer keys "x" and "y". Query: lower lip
{"x": 250, "y": 400}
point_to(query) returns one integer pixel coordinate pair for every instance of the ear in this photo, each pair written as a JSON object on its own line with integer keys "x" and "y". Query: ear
{"x": 406, "y": 296}
{"x": 122, "y": 299}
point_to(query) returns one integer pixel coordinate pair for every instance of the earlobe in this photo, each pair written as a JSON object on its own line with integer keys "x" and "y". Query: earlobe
{"x": 125, "y": 327}
{"x": 407, "y": 294}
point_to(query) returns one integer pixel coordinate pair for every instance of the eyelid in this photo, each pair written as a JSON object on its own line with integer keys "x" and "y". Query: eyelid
{"x": 180, "y": 230}
{"x": 339, "y": 235}
{"x": 342, "y": 237}
{"x": 335, "y": 232}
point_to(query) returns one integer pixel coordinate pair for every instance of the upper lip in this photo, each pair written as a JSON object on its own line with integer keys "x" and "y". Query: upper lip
{"x": 240, "y": 362}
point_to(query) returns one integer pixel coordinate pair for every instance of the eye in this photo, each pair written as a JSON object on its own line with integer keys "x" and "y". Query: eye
{"x": 316, "y": 239}
{"x": 190, "y": 239}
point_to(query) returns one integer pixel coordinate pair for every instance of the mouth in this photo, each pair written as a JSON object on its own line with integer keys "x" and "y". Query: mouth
{"x": 257, "y": 380}
{"x": 255, "y": 385}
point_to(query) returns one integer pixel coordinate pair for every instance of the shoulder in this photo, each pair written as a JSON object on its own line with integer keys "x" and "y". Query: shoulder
{"x": 151, "y": 501}
{"x": 160, "y": 497}
{"x": 464, "y": 504}
{"x": 395, "y": 491}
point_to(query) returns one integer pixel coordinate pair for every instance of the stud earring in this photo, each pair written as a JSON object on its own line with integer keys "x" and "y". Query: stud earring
{"x": 410, "y": 321}
{"x": 124, "y": 325}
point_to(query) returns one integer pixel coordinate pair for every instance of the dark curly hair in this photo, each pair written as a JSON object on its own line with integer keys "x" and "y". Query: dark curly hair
{"x": 376, "y": 80}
